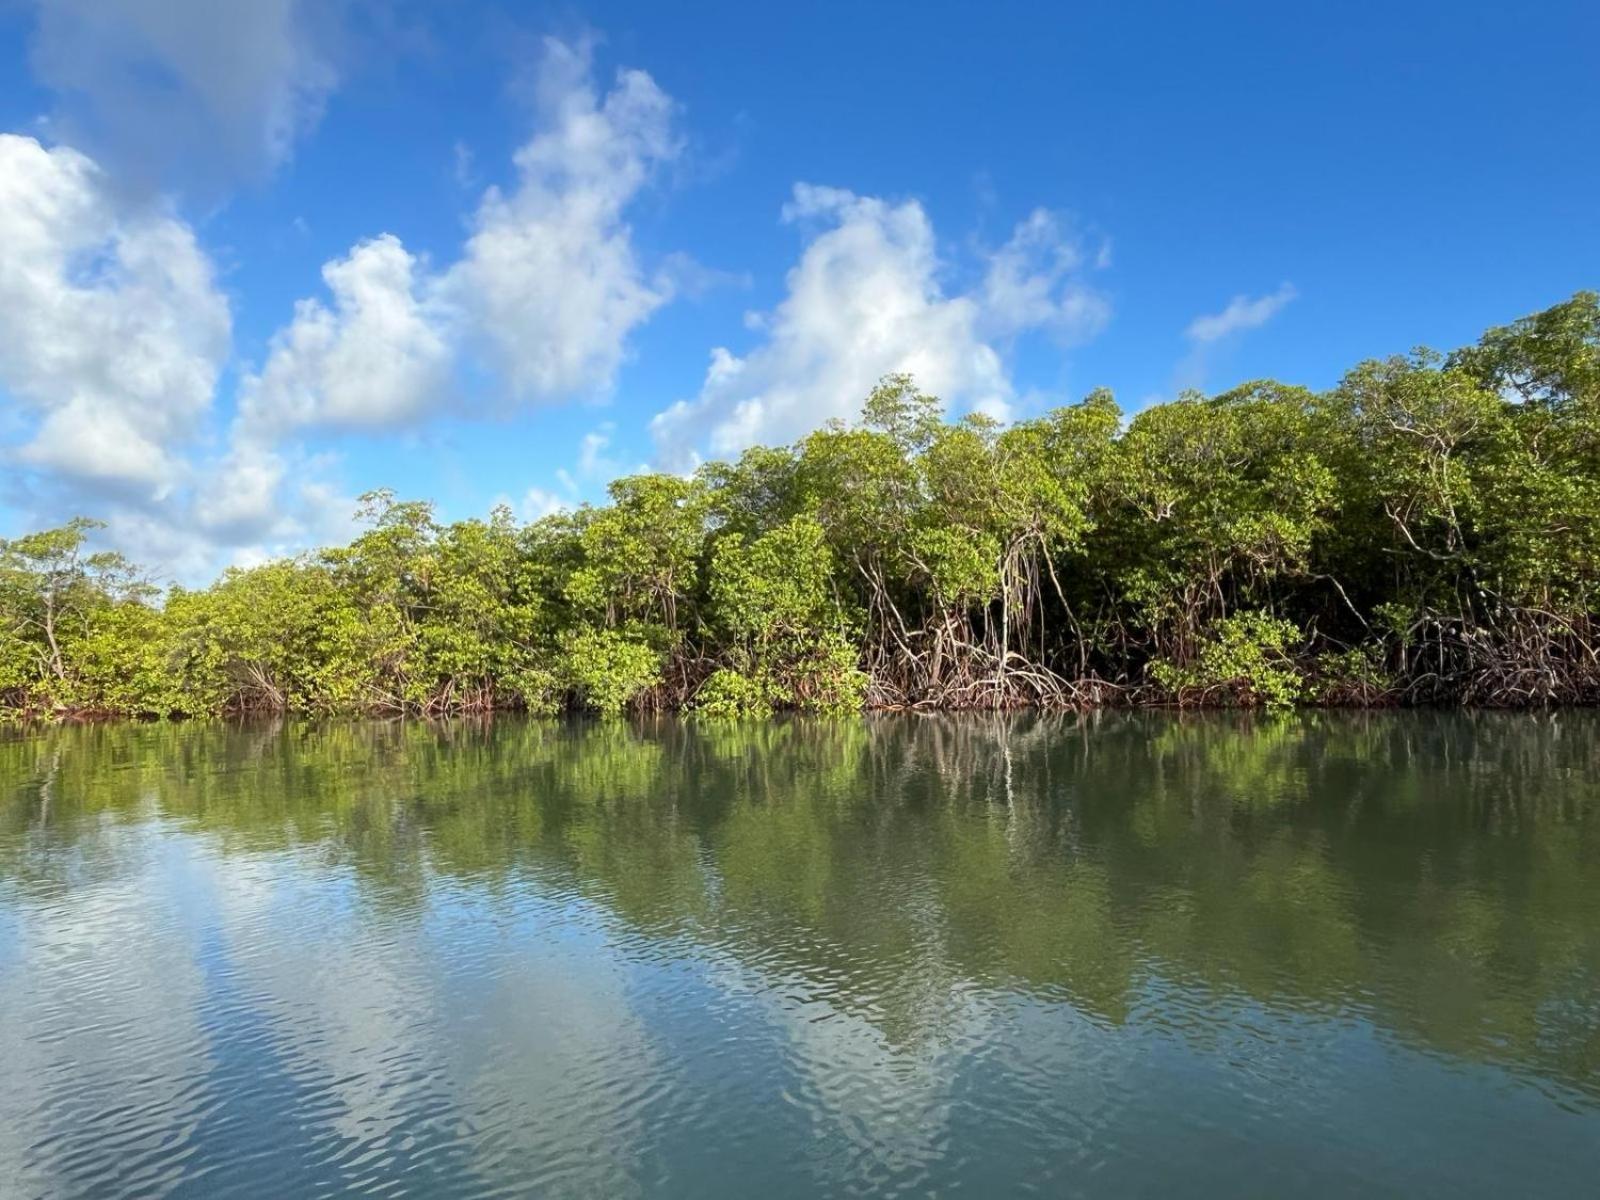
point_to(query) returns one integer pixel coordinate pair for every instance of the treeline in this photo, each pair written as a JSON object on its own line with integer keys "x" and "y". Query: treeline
{"x": 1426, "y": 532}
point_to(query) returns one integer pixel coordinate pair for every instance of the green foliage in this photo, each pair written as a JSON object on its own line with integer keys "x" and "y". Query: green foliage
{"x": 827, "y": 680}
{"x": 1244, "y": 659}
{"x": 1217, "y": 504}
{"x": 911, "y": 418}
{"x": 608, "y": 670}
{"x": 775, "y": 598}
{"x": 728, "y": 693}
{"x": 1550, "y": 360}
{"x": 640, "y": 554}
{"x": 53, "y": 596}
{"x": 1426, "y": 531}
{"x": 775, "y": 588}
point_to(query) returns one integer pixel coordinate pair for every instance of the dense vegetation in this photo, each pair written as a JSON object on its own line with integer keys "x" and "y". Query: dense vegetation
{"x": 1426, "y": 532}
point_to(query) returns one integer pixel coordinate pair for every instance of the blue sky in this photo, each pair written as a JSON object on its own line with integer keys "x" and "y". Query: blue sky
{"x": 257, "y": 258}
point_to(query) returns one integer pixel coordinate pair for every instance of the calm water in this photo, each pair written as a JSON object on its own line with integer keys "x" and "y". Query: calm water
{"x": 1130, "y": 955}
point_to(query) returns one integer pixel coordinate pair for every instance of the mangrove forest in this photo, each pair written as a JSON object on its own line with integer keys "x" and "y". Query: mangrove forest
{"x": 1425, "y": 532}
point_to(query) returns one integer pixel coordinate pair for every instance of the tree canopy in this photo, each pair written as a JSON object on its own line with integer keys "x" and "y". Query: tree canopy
{"x": 1427, "y": 531}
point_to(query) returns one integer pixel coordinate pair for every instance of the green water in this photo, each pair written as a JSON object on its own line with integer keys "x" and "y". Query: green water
{"x": 1112, "y": 956}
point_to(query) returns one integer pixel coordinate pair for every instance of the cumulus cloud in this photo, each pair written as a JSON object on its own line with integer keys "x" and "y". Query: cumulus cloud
{"x": 145, "y": 82}
{"x": 864, "y": 300}
{"x": 113, "y": 335}
{"x": 258, "y": 501}
{"x": 1242, "y": 313}
{"x": 1033, "y": 282}
{"x": 545, "y": 295}
{"x": 377, "y": 357}
{"x": 112, "y": 328}
{"x": 549, "y": 286}
{"x": 237, "y": 497}
{"x": 546, "y": 292}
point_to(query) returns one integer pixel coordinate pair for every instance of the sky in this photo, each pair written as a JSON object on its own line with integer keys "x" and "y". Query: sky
{"x": 259, "y": 258}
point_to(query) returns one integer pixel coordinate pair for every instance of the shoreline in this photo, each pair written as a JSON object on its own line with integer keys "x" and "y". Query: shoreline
{"x": 87, "y": 717}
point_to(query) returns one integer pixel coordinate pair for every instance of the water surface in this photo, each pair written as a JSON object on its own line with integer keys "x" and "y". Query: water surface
{"x": 1111, "y": 956}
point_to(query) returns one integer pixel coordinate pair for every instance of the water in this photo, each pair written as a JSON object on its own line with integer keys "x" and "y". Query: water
{"x": 1112, "y": 956}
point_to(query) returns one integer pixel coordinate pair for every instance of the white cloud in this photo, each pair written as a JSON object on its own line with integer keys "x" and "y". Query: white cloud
{"x": 239, "y": 494}
{"x": 377, "y": 358}
{"x": 112, "y": 337}
{"x": 112, "y": 330}
{"x": 547, "y": 291}
{"x": 864, "y": 300}
{"x": 1242, "y": 313}
{"x": 146, "y": 82}
{"x": 1032, "y": 284}
{"x": 113, "y": 333}
{"x": 373, "y": 358}
{"x": 550, "y": 286}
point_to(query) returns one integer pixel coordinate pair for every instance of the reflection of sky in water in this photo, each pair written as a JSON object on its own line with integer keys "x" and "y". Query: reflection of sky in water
{"x": 777, "y": 1001}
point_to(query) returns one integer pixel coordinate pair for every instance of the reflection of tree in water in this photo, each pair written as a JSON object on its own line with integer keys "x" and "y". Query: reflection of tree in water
{"x": 1437, "y": 873}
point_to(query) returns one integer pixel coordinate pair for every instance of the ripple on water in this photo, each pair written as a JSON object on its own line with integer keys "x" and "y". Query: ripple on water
{"x": 419, "y": 981}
